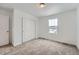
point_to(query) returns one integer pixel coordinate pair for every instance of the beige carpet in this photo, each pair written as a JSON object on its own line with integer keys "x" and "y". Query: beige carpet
{"x": 39, "y": 47}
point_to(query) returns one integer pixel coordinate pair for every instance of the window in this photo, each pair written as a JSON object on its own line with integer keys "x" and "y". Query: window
{"x": 53, "y": 23}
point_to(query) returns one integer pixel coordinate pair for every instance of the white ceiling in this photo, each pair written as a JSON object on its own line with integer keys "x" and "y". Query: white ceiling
{"x": 50, "y": 9}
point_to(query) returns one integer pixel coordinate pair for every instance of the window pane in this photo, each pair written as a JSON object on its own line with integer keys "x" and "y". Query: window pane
{"x": 53, "y": 23}
{"x": 50, "y": 22}
{"x": 52, "y": 31}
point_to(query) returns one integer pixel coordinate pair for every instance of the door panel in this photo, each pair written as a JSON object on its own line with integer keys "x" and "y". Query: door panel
{"x": 28, "y": 29}
{"x": 4, "y": 30}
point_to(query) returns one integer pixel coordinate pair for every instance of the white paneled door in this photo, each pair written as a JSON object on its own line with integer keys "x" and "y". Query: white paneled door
{"x": 28, "y": 29}
{"x": 4, "y": 30}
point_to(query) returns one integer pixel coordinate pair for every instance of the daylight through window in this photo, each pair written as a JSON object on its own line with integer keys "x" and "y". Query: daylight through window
{"x": 53, "y": 23}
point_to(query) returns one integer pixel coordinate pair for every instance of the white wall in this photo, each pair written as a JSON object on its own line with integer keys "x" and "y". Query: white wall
{"x": 66, "y": 27}
{"x": 78, "y": 27}
{"x": 37, "y": 28}
{"x": 17, "y": 26}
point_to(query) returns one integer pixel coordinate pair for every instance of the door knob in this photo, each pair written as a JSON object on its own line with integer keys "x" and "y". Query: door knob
{"x": 7, "y": 31}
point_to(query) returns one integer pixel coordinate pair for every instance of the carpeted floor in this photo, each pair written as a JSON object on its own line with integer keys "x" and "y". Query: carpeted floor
{"x": 39, "y": 47}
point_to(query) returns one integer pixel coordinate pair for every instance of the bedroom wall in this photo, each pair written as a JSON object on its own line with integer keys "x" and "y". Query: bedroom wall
{"x": 78, "y": 27}
{"x": 66, "y": 27}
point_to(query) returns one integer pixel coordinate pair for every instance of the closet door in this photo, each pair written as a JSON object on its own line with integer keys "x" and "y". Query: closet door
{"x": 4, "y": 30}
{"x": 28, "y": 29}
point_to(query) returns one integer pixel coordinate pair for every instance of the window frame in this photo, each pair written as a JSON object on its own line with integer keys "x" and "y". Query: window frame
{"x": 56, "y": 25}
